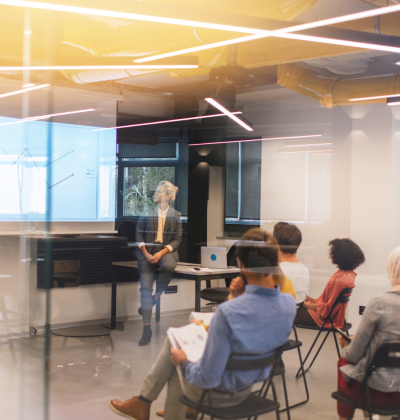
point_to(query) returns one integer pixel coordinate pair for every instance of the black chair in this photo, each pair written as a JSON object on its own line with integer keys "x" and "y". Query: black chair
{"x": 343, "y": 297}
{"x": 255, "y": 404}
{"x": 387, "y": 356}
{"x": 292, "y": 345}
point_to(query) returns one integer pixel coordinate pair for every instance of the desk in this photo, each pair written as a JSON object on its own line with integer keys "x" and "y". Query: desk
{"x": 182, "y": 271}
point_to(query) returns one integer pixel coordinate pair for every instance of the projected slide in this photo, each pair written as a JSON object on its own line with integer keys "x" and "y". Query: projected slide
{"x": 75, "y": 172}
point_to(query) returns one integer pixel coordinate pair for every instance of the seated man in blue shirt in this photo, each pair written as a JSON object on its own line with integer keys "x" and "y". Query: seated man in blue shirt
{"x": 254, "y": 323}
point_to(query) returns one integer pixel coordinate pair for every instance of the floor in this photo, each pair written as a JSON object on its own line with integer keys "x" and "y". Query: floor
{"x": 73, "y": 392}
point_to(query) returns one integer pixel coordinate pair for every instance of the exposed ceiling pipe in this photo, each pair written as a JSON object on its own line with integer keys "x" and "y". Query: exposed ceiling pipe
{"x": 333, "y": 92}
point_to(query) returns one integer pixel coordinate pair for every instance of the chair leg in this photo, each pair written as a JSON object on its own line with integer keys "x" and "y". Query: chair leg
{"x": 211, "y": 407}
{"x": 199, "y": 405}
{"x": 309, "y": 352}
{"x": 369, "y": 403}
{"x": 316, "y": 354}
{"x": 337, "y": 345}
{"x": 286, "y": 397}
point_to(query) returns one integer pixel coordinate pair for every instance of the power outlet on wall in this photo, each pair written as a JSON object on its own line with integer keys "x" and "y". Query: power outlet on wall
{"x": 361, "y": 310}
{"x": 171, "y": 289}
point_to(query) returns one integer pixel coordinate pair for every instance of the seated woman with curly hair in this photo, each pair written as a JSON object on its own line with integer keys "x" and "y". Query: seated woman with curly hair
{"x": 347, "y": 256}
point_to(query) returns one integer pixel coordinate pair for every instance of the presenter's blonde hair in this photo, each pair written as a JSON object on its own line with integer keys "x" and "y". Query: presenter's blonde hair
{"x": 169, "y": 188}
{"x": 393, "y": 267}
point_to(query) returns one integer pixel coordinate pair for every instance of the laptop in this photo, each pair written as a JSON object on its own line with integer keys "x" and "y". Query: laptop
{"x": 213, "y": 257}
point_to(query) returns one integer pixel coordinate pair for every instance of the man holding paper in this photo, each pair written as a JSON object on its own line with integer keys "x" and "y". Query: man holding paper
{"x": 254, "y": 323}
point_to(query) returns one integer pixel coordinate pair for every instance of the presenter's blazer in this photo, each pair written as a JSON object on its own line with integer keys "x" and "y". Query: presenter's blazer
{"x": 146, "y": 231}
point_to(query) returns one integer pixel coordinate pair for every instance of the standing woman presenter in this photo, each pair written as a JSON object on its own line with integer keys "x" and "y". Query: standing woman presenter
{"x": 159, "y": 237}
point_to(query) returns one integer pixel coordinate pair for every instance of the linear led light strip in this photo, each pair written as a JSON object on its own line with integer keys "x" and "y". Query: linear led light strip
{"x": 265, "y": 139}
{"x": 305, "y": 151}
{"x": 16, "y": 92}
{"x": 374, "y": 97}
{"x": 286, "y": 33}
{"x": 259, "y": 32}
{"x": 228, "y": 113}
{"x": 44, "y": 117}
{"x": 105, "y": 67}
{"x": 393, "y": 103}
{"x": 166, "y": 121}
{"x": 308, "y": 144}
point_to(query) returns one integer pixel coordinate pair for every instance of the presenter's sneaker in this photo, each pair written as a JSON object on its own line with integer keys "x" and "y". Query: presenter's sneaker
{"x": 146, "y": 337}
{"x": 133, "y": 409}
{"x": 189, "y": 413}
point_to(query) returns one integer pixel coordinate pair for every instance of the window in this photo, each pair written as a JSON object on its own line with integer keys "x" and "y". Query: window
{"x": 141, "y": 168}
{"x": 139, "y": 186}
{"x": 243, "y": 183}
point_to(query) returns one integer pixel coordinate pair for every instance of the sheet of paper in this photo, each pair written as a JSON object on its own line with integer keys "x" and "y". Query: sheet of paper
{"x": 190, "y": 338}
{"x": 202, "y": 270}
{"x": 201, "y": 316}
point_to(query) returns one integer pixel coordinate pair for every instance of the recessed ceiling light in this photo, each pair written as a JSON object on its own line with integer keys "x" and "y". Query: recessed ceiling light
{"x": 167, "y": 121}
{"x": 228, "y": 113}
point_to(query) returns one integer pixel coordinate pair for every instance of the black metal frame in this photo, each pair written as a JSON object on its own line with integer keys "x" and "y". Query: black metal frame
{"x": 387, "y": 356}
{"x": 343, "y": 297}
{"x": 243, "y": 365}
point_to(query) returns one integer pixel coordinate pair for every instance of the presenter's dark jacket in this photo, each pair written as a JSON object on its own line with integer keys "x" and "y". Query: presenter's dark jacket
{"x": 146, "y": 231}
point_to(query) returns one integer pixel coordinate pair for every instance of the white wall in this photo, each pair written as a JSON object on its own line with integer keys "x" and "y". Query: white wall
{"x": 354, "y": 192}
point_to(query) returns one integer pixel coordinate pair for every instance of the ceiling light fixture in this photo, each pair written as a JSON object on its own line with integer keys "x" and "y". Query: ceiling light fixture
{"x": 105, "y": 67}
{"x": 183, "y": 22}
{"x": 374, "y": 97}
{"x": 27, "y": 89}
{"x": 308, "y": 144}
{"x": 304, "y": 151}
{"x": 393, "y": 101}
{"x": 44, "y": 117}
{"x": 228, "y": 113}
{"x": 262, "y": 139}
{"x": 167, "y": 121}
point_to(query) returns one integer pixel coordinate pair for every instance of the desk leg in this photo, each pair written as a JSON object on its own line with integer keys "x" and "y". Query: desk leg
{"x": 158, "y": 305}
{"x": 114, "y": 298}
{"x": 197, "y": 295}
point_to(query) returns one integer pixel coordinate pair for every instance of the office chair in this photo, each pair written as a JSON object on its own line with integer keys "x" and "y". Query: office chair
{"x": 387, "y": 356}
{"x": 343, "y": 297}
{"x": 255, "y": 404}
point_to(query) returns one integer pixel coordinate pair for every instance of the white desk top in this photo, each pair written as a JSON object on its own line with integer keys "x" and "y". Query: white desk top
{"x": 185, "y": 268}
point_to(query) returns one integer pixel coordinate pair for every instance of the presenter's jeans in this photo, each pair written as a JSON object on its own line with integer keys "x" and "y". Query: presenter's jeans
{"x": 149, "y": 273}
{"x": 164, "y": 372}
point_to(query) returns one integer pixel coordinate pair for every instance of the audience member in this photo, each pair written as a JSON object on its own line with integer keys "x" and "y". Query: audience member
{"x": 159, "y": 236}
{"x": 256, "y": 322}
{"x": 347, "y": 256}
{"x": 289, "y": 239}
{"x": 380, "y": 324}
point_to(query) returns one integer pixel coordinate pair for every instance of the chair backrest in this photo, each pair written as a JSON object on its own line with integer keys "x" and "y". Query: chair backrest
{"x": 387, "y": 356}
{"x": 231, "y": 257}
{"x": 344, "y": 295}
{"x": 243, "y": 362}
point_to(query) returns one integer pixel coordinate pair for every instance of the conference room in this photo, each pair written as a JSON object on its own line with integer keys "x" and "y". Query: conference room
{"x": 140, "y": 142}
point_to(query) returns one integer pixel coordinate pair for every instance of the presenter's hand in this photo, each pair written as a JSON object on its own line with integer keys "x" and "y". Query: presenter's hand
{"x": 237, "y": 287}
{"x": 158, "y": 255}
{"x": 177, "y": 356}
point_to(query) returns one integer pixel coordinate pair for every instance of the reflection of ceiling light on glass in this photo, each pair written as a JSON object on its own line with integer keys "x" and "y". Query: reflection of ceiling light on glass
{"x": 27, "y": 89}
{"x": 305, "y": 151}
{"x": 320, "y": 153}
{"x": 167, "y": 121}
{"x": 374, "y": 97}
{"x": 45, "y": 117}
{"x": 307, "y": 144}
{"x": 27, "y": 32}
{"x": 28, "y": 85}
{"x": 263, "y": 139}
{"x": 105, "y": 67}
{"x": 228, "y": 113}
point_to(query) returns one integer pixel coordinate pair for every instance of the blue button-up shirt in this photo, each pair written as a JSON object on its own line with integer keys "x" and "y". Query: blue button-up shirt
{"x": 254, "y": 323}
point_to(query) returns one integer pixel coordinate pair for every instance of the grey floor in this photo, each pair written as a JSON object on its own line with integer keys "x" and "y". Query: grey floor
{"x": 74, "y": 393}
